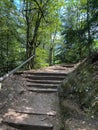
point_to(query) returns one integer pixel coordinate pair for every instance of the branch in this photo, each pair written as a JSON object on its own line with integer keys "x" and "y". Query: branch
{"x": 41, "y": 9}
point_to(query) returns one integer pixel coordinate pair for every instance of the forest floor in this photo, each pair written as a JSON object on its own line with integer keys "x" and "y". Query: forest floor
{"x": 13, "y": 87}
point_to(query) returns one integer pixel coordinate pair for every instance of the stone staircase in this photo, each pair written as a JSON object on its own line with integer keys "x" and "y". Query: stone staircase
{"x": 44, "y": 82}
{"x": 38, "y": 106}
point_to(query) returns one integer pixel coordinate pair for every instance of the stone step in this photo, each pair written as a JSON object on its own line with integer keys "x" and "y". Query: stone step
{"x": 45, "y": 81}
{"x": 41, "y": 103}
{"x": 40, "y": 73}
{"x": 68, "y": 66}
{"x": 27, "y": 121}
{"x": 48, "y": 90}
{"x": 41, "y": 77}
{"x": 46, "y": 73}
{"x": 34, "y": 111}
{"x": 38, "y": 107}
{"x": 39, "y": 85}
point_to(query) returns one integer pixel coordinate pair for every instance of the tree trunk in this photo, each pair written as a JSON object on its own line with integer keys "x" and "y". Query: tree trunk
{"x": 52, "y": 48}
{"x": 89, "y": 35}
{"x": 50, "y": 56}
{"x": 31, "y": 43}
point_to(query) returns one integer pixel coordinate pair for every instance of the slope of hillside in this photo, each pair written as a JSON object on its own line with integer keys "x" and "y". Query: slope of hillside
{"x": 79, "y": 94}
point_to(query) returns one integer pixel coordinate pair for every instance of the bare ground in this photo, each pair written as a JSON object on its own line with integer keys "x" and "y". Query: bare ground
{"x": 15, "y": 85}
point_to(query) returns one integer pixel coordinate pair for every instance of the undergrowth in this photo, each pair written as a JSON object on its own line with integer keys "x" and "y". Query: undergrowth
{"x": 82, "y": 85}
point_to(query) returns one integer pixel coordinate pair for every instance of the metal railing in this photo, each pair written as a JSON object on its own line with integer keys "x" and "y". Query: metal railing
{"x": 17, "y": 68}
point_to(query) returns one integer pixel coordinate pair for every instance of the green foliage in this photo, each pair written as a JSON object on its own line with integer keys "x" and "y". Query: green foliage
{"x": 79, "y": 33}
{"x": 96, "y": 44}
{"x": 32, "y": 25}
{"x": 82, "y": 85}
{"x": 37, "y": 20}
{"x": 11, "y": 50}
{"x": 41, "y": 59}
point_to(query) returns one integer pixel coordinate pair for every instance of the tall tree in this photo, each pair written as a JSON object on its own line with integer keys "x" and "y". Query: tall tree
{"x": 38, "y": 14}
{"x": 80, "y": 28}
{"x": 8, "y": 34}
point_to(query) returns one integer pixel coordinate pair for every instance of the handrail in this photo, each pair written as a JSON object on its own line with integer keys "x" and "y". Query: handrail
{"x": 17, "y": 68}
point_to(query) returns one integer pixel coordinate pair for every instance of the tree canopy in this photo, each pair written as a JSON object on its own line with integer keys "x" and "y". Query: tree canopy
{"x": 80, "y": 29}
{"x": 55, "y": 31}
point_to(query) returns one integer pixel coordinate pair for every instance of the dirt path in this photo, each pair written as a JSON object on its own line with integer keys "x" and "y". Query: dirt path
{"x": 13, "y": 90}
{"x": 76, "y": 119}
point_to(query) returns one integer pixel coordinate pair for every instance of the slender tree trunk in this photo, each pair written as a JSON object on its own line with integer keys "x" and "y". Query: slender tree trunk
{"x": 50, "y": 56}
{"x": 52, "y": 48}
{"x": 31, "y": 43}
{"x": 89, "y": 35}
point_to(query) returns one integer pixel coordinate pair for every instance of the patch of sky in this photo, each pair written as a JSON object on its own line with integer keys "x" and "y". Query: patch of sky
{"x": 17, "y": 3}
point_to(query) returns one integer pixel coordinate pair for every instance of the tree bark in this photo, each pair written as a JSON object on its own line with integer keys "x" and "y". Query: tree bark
{"x": 89, "y": 34}
{"x": 31, "y": 42}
